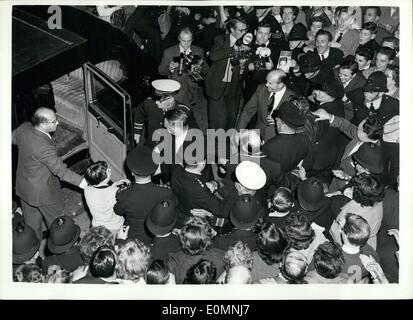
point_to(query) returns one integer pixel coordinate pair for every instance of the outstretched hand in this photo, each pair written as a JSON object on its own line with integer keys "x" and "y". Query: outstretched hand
{"x": 322, "y": 115}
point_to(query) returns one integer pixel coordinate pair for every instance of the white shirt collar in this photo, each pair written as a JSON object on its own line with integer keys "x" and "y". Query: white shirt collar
{"x": 232, "y": 40}
{"x": 376, "y": 103}
{"x": 350, "y": 250}
{"x": 182, "y": 50}
{"x": 325, "y": 54}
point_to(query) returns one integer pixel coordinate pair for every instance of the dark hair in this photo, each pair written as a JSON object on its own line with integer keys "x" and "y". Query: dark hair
{"x": 264, "y": 24}
{"x": 231, "y": 24}
{"x": 351, "y": 65}
{"x": 389, "y": 52}
{"x": 175, "y": 115}
{"x": 294, "y": 8}
{"x": 356, "y": 229}
{"x": 323, "y": 32}
{"x": 395, "y": 74}
{"x": 157, "y": 272}
{"x": 271, "y": 243}
{"x": 373, "y": 127}
{"x": 282, "y": 200}
{"x": 367, "y": 189}
{"x": 317, "y": 19}
{"x": 328, "y": 260}
{"x": 393, "y": 40}
{"x": 365, "y": 52}
{"x": 299, "y": 231}
{"x": 370, "y": 26}
{"x": 377, "y": 9}
{"x": 96, "y": 173}
{"x": 202, "y": 272}
{"x": 103, "y": 262}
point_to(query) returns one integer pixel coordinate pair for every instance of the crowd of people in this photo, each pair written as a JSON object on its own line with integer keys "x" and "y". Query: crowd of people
{"x": 310, "y": 96}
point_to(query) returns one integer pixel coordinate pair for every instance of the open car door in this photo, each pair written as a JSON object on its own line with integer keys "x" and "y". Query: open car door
{"x": 109, "y": 118}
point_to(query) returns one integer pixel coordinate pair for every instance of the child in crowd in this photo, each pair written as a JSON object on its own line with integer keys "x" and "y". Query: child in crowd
{"x": 100, "y": 196}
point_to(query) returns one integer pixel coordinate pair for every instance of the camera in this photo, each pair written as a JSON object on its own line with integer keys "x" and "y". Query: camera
{"x": 260, "y": 58}
{"x": 242, "y": 48}
{"x": 190, "y": 64}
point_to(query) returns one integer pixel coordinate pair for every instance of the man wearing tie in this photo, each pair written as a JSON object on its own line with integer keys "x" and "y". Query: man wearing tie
{"x": 255, "y": 76}
{"x": 223, "y": 83}
{"x": 329, "y": 56}
{"x": 344, "y": 38}
{"x": 375, "y": 100}
{"x": 264, "y": 101}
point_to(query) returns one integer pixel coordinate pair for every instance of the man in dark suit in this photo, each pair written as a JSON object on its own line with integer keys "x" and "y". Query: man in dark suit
{"x": 186, "y": 64}
{"x": 330, "y": 57}
{"x": 385, "y": 107}
{"x": 136, "y": 201}
{"x": 258, "y": 67}
{"x": 330, "y": 142}
{"x": 289, "y": 146}
{"x": 39, "y": 171}
{"x": 223, "y": 83}
{"x": 264, "y": 101}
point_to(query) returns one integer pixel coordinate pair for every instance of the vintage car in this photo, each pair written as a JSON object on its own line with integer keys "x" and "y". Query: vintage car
{"x": 88, "y": 71}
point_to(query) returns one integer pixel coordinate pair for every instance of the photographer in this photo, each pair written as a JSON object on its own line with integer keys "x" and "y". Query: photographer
{"x": 186, "y": 64}
{"x": 264, "y": 55}
{"x": 223, "y": 83}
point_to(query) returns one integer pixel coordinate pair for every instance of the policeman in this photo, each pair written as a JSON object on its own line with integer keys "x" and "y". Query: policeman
{"x": 152, "y": 110}
{"x": 135, "y": 202}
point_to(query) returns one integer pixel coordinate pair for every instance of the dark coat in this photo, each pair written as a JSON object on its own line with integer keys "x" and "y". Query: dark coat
{"x": 171, "y": 52}
{"x": 192, "y": 193}
{"x": 136, "y": 202}
{"x": 219, "y": 54}
{"x": 179, "y": 262}
{"x": 330, "y": 142}
{"x": 39, "y": 168}
{"x": 287, "y": 149}
{"x": 225, "y": 241}
{"x": 162, "y": 246}
{"x": 389, "y": 107}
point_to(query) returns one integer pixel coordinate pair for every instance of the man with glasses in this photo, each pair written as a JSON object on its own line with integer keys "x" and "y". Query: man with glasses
{"x": 223, "y": 83}
{"x": 39, "y": 171}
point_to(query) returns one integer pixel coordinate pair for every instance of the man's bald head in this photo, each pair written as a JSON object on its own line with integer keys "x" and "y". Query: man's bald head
{"x": 238, "y": 275}
{"x": 45, "y": 119}
{"x": 275, "y": 80}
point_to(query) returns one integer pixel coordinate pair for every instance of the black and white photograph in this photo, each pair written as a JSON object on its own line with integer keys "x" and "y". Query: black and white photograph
{"x": 192, "y": 150}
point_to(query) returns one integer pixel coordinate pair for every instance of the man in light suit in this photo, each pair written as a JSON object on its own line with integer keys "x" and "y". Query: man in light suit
{"x": 344, "y": 38}
{"x": 39, "y": 170}
{"x": 190, "y": 88}
{"x": 264, "y": 101}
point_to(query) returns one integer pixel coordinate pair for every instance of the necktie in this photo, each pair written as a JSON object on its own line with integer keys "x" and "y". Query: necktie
{"x": 339, "y": 37}
{"x": 270, "y": 104}
{"x": 322, "y": 57}
{"x": 372, "y": 110}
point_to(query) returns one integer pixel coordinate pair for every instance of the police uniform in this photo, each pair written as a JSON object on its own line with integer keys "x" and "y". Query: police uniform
{"x": 136, "y": 201}
{"x": 192, "y": 193}
{"x": 388, "y": 108}
{"x": 150, "y": 115}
